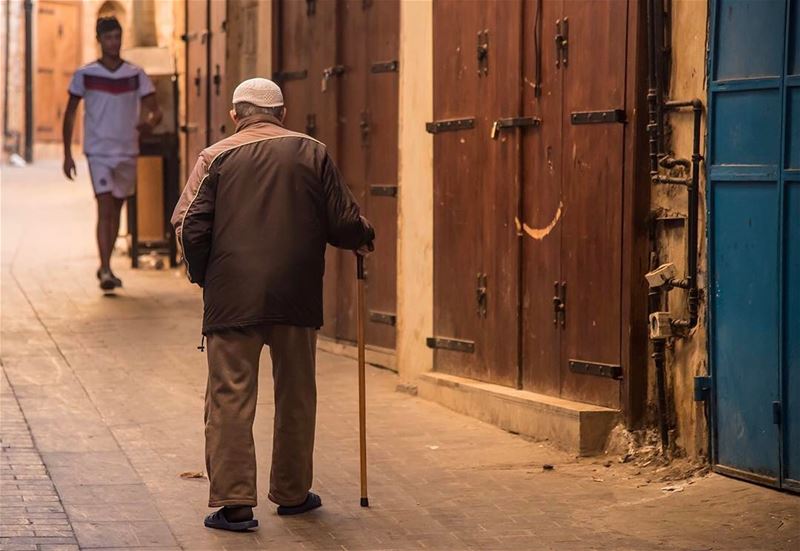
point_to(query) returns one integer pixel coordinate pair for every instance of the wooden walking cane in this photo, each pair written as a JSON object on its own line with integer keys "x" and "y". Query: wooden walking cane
{"x": 362, "y": 383}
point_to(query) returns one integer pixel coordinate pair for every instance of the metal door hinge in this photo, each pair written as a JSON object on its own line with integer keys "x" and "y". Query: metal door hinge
{"x": 483, "y": 52}
{"x": 311, "y": 7}
{"x": 776, "y": 413}
{"x": 612, "y": 371}
{"x": 449, "y": 125}
{"x": 284, "y": 76}
{"x": 514, "y": 122}
{"x": 481, "y": 291}
{"x": 456, "y": 345}
{"x": 560, "y": 302}
{"x": 562, "y": 43}
{"x": 385, "y": 67}
{"x": 382, "y": 317}
{"x": 702, "y": 388}
{"x": 383, "y": 191}
{"x": 597, "y": 117}
{"x": 311, "y": 124}
{"x": 187, "y": 128}
{"x": 330, "y": 72}
{"x": 366, "y": 4}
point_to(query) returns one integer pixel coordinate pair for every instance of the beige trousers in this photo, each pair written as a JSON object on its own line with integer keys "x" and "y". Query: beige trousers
{"x": 231, "y": 397}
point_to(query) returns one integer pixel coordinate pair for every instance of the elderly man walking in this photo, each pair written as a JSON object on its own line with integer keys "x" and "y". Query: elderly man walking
{"x": 253, "y": 223}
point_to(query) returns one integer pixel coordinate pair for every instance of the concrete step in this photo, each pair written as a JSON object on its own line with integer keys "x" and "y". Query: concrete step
{"x": 575, "y": 427}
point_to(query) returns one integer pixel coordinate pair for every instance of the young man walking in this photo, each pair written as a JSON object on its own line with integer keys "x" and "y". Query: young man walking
{"x": 113, "y": 91}
{"x": 253, "y": 223}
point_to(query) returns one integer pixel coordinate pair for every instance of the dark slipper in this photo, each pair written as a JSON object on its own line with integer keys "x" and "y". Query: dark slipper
{"x": 217, "y": 520}
{"x": 312, "y": 502}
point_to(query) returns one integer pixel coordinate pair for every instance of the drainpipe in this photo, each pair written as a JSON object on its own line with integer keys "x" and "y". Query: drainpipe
{"x": 6, "y": 73}
{"x": 654, "y": 131}
{"x": 28, "y": 81}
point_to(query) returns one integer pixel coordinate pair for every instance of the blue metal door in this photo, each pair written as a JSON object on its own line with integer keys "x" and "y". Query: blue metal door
{"x": 754, "y": 237}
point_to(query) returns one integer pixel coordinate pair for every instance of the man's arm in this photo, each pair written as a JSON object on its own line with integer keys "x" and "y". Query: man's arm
{"x": 153, "y": 114}
{"x": 347, "y": 229}
{"x": 193, "y": 220}
{"x": 66, "y": 132}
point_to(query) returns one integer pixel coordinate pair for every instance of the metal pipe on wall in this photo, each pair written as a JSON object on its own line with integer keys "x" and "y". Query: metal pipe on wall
{"x": 654, "y": 131}
{"x": 29, "y": 81}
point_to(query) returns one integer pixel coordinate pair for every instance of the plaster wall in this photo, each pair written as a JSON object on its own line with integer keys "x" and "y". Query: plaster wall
{"x": 686, "y": 357}
{"x": 415, "y": 206}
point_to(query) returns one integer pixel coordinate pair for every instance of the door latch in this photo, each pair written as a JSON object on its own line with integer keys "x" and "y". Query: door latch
{"x": 217, "y": 80}
{"x": 364, "y": 125}
{"x": 562, "y": 44}
{"x": 480, "y": 293}
{"x": 311, "y": 124}
{"x": 560, "y": 302}
{"x": 330, "y": 72}
{"x": 197, "y": 81}
{"x": 483, "y": 52}
{"x": 513, "y": 122}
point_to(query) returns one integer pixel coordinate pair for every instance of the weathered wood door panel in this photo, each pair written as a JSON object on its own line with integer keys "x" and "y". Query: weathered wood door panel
{"x": 591, "y": 255}
{"x": 542, "y": 207}
{"x": 57, "y": 58}
{"x": 352, "y": 135}
{"x": 382, "y": 82}
{"x": 458, "y": 178}
{"x": 196, "y": 79}
{"x": 501, "y": 191}
{"x": 220, "y": 125}
{"x": 305, "y": 45}
{"x": 292, "y": 67}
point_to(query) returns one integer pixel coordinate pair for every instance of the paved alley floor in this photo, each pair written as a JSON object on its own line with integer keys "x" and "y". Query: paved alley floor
{"x": 111, "y": 391}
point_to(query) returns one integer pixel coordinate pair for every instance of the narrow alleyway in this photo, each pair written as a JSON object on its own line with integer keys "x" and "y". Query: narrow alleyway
{"x": 112, "y": 390}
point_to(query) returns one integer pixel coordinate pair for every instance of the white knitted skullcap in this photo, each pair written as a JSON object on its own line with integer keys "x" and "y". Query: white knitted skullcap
{"x": 258, "y": 91}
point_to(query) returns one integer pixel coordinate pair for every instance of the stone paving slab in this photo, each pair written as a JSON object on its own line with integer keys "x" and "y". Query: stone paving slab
{"x": 31, "y": 514}
{"x": 116, "y": 383}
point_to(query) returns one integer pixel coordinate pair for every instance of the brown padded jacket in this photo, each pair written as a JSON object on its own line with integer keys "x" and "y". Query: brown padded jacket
{"x": 253, "y": 222}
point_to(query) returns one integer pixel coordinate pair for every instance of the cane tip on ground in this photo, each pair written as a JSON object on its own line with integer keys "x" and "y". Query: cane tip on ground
{"x": 365, "y": 502}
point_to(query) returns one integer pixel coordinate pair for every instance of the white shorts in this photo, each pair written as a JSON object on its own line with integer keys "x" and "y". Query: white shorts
{"x": 114, "y": 175}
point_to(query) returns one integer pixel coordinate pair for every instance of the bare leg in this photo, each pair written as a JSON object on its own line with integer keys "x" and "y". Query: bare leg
{"x": 108, "y": 215}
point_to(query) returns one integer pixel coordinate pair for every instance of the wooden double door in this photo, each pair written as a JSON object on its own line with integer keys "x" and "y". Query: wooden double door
{"x": 207, "y": 88}
{"x": 532, "y": 117}
{"x": 337, "y": 63}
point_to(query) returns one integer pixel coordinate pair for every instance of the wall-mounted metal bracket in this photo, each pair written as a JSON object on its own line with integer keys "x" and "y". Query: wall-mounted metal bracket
{"x": 383, "y": 191}
{"x": 383, "y": 317}
{"x": 311, "y": 124}
{"x": 481, "y": 294}
{"x": 385, "y": 67}
{"x": 449, "y": 125}
{"x": 702, "y": 388}
{"x": 562, "y": 42}
{"x": 455, "y": 345}
{"x": 611, "y": 371}
{"x": 777, "y": 414}
{"x": 483, "y": 52}
{"x": 597, "y": 117}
